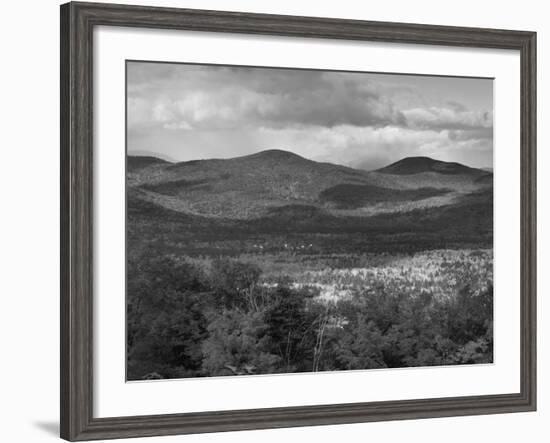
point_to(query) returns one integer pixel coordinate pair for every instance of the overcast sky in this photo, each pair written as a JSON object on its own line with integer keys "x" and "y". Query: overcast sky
{"x": 185, "y": 112}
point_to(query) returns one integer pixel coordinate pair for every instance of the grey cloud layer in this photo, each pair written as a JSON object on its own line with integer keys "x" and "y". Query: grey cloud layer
{"x": 294, "y": 106}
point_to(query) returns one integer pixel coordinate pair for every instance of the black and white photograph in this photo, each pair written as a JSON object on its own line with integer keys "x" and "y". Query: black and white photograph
{"x": 287, "y": 220}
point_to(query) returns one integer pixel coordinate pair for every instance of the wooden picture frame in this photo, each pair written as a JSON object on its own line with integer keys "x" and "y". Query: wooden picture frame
{"x": 77, "y": 23}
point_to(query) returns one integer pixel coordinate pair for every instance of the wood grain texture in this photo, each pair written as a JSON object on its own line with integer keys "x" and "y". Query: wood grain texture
{"x": 77, "y": 23}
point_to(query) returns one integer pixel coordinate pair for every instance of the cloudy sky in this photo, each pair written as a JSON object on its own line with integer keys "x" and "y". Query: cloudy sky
{"x": 185, "y": 112}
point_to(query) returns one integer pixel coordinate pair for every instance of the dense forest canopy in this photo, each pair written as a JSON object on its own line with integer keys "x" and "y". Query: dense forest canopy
{"x": 186, "y": 321}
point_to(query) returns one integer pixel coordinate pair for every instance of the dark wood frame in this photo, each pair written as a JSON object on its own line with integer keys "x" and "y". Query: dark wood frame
{"x": 77, "y": 24}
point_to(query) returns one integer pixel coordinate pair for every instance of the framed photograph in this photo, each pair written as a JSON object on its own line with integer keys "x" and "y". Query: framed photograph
{"x": 272, "y": 221}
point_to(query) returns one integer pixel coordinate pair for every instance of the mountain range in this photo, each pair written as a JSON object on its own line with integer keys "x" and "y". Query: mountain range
{"x": 252, "y": 186}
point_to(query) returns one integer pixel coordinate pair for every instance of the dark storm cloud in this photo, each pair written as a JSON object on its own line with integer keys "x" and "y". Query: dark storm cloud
{"x": 320, "y": 114}
{"x": 222, "y": 97}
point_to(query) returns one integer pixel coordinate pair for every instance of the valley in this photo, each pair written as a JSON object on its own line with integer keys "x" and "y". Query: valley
{"x": 273, "y": 263}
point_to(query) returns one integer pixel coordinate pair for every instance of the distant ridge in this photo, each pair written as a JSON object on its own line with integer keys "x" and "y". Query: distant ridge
{"x": 143, "y": 161}
{"x": 417, "y": 165}
{"x": 144, "y": 153}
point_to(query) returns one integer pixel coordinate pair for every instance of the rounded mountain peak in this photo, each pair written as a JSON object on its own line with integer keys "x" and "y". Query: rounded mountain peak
{"x": 417, "y": 165}
{"x": 275, "y": 154}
